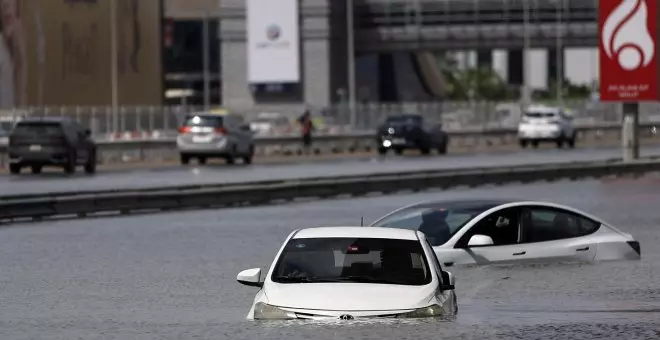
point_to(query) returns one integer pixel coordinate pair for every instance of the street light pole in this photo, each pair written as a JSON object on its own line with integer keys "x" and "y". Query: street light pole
{"x": 560, "y": 55}
{"x": 113, "y": 66}
{"x": 526, "y": 95}
{"x": 351, "y": 62}
{"x": 206, "y": 62}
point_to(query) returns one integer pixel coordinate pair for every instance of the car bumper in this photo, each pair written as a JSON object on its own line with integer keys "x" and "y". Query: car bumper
{"x": 395, "y": 142}
{"x": 219, "y": 147}
{"x": 38, "y": 159}
{"x": 539, "y": 134}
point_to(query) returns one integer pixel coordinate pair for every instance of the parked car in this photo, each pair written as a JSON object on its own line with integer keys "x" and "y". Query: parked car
{"x": 352, "y": 272}
{"x": 546, "y": 124}
{"x": 411, "y": 131}
{"x": 206, "y": 135}
{"x": 51, "y": 141}
{"x": 482, "y": 232}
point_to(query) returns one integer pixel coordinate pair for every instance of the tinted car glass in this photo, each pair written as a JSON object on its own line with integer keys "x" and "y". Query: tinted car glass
{"x": 540, "y": 114}
{"x": 206, "y": 121}
{"x": 544, "y": 224}
{"x": 363, "y": 260}
{"x": 404, "y": 120}
{"x": 439, "y": 223}
{"x": 41, "y": 129}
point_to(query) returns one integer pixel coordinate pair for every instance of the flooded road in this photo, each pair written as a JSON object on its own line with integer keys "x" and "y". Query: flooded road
{"x": 172, "y": 276}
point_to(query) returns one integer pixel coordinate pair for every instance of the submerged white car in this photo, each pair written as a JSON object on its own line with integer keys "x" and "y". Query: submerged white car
{"x": 482, "y": 232}
{"x": 352, "y": 272}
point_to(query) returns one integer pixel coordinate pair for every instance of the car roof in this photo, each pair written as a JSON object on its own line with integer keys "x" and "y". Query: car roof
{"x": 464, "y": 203}
{"x": 542, "y": 109}
{"x": 44, "y": 120}
{"x": 357, "y": 232}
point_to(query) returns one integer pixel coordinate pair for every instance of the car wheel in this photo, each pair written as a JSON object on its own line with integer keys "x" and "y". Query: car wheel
{"x": 523, "y": 143}
{"x": 36, "y": 169}
{"x": 201, "y": 160}
{"x": 571, "y": 142}
{"x": 560, "y": 142}
{"x": 425, "y": 151}
{"x": 70, "y": 166}
{"x": 535, "y": 144}
{"x": 90, "y": 165}
{"x": 15, "y": 169}
{"x": 398, "y": 151}
{"x": 442, "y": 149}
{"x": 247, "y": 159}
{"x": 382, "y": 151}
{"x": 185, "y": 159}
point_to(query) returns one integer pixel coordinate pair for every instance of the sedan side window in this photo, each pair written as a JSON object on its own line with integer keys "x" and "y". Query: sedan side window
{"x": 547, "y": 224}
{"x": 502, "y": 226}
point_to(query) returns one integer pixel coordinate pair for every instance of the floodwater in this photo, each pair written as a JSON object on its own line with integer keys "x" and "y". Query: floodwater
{"x": 172, "y": 276}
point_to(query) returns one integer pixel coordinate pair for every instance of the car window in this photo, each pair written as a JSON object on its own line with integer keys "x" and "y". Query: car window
{"x": 438, "y": 223}
{"x": 206, "y": 121}
{"x": 540, "y": 114}
{"x": 369, "y": 260}
{"x": 404, "y": 120}
{"x": 547, "y": 224}
{"x": 502, "y": 226}
{"x": 42, "y": 129}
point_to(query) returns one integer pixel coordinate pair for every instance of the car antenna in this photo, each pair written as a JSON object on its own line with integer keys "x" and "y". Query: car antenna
{"x": 362, "y": 221}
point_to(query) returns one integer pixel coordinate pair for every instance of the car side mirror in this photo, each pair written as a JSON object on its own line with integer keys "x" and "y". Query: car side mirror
{"x": 250, "y": 277}
{"x": 448, "y": 281}
{"x": 480, "y": 241}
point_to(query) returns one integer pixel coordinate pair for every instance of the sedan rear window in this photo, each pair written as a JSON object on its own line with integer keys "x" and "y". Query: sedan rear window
{"x": 47, "y": 129}
{"x": 540, "y": 114}
{"x": 206, "y": 121}
{"x": 404, "y": 120}
{"x": 361, "y": 260}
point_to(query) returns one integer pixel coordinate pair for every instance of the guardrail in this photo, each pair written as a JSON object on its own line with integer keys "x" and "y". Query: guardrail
{"x": 81, "y": 204}
{"x": 165, "y": 148}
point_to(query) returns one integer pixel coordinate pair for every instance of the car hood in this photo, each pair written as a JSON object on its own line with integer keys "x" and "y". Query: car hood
{"x": 348, "y": 296}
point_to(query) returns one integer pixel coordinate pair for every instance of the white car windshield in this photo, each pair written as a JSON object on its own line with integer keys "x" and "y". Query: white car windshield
{"x": 540, "y": 114}
{"x": 353, "y": 260}
{"x": 438, "y": 222}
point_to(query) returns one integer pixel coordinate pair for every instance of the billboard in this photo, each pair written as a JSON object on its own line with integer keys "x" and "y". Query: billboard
{"x": 58, "y": 52}
{"x": 628, "y": 50}
{"x": 273, "y": 41}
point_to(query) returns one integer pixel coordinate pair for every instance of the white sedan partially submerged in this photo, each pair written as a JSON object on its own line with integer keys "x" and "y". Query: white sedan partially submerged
{"x": 481, "y": 232}
{"x": 352, "y": 272}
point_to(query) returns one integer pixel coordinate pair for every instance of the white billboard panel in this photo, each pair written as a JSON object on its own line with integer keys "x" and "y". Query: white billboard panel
{"x": 273, "y": 48}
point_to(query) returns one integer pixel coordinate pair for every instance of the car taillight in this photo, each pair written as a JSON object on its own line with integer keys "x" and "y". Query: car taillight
{"x": 220, "y": 130}
{"x": 184, "y": 129}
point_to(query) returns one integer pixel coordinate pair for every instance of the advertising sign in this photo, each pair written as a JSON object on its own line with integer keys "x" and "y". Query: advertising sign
{"x": 273, "y": 48}
{"x": 628, "y": 50}
{"x": 58, "y": 52}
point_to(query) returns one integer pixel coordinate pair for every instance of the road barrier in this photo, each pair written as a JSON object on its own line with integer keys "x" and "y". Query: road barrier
{"x": 161, "y": 149}
{"x": 81, "y": 204}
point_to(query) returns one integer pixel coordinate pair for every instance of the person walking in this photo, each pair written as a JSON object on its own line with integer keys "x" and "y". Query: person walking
{"x": 306, "y": 128}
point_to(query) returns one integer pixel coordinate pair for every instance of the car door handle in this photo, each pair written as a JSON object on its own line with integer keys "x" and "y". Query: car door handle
{"x": 448, "y": 264}
{"x": 582, "y": 249}
{"x": 520, "y": 253}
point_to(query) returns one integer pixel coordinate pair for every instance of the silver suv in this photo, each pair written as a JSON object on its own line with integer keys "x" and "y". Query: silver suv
{"x": 546, "y": 124}
{"x": 206, "y": 135}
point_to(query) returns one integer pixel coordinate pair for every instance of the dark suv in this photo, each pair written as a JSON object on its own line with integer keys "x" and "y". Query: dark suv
{"x": 410, "y": 131}
{"x": 49, "y": 141}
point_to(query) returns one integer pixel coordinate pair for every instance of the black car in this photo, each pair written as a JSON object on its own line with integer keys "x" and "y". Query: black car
{"x": 410, "y": 131}
{"x": 49, "y": 141}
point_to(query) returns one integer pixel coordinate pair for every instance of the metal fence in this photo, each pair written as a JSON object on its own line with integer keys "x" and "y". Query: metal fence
{"x": 145, "y": 121}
